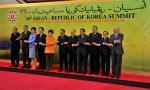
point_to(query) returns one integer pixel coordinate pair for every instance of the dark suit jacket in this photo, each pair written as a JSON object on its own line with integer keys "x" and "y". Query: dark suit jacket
{"x": 97, "y": 39}
{"x": 81, "y": 46}
{"x": 105, "y": 50}
{"x": 15, "y": 43}
{"x": 25, "y": 36}
{"x": 117, "y": 47}
{"x": 41, "y": 39}
{"x": 72, "y": 40}
{"x": 62, "y": 47}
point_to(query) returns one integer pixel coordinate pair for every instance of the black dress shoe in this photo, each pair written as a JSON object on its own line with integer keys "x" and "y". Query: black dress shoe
{"x": 117, "y": 77}
{"x": 103, "y": 74}
{"x": 84, "y": 72}
{"x": 11, "y": 66}
{"x": 28, "y": 67}
{"x": 112, "y": 76}
{"x": 70, "y": 70}
{"x": 96, "y": 73}
{"x": 66, "y": 71}
{"x": 91, "y": 73}
{"x": 107, "y": 75}
{"x": 16, "y": 66}
{"x": 24, "y": 67}
{"x": 75, "y": 71}
{"x": 43, "y": 69}
{"x": 79, "y": 72}
{"x": 60, "y": 70}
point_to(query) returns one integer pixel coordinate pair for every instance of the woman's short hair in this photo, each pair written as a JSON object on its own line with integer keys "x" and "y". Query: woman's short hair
{"x": 51, "y": 31}
{"x": 33, "y": 28}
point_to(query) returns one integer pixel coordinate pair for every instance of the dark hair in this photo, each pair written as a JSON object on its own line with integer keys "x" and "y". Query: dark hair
{"x": 26, "y": 26}
{"x": 96, "y": 27}
{"x": 33, "y": 28}
{"x": 41, "y": 28}
{"x": 82, "y": 29}
{"x": 74, "y": 30}
{"x": 51, "y": 31}
{"x": 16, "y": 28}
{"x": 106, "y": 32}
{"x": 62, "y": 30}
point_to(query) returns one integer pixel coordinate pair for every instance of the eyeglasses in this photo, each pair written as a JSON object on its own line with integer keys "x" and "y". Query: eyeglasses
{"x": 104, "y": 34}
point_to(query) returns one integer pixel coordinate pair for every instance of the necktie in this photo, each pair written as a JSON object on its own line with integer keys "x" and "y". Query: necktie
{"x": 40, "y": 36}
{"x": 116, "y": 35}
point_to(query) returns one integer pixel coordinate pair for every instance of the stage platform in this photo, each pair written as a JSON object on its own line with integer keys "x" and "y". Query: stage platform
{"x": 128, "y": 78}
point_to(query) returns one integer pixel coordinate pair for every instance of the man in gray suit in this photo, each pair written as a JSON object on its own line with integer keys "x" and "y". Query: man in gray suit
{"x": 116, "y": 52}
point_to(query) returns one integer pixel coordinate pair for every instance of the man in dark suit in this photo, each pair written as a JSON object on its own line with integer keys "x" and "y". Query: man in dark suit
{"x": 73, "y": 39}
{"x": 41, "y": 41}
{"x": 95, "y": 39}
{"x": 105, "y": 54}
{"x": 25, "y": 47}
{"x": 116, "y": 52}
{"x": 15, "y": 47}
{"x": 82, "y": 51}
{"x": 62, "y": 41}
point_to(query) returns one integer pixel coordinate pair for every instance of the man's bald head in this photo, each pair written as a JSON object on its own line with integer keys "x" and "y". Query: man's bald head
{"x": 116, "y": 29}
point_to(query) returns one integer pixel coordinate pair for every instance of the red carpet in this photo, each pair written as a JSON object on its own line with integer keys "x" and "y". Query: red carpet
{"x": 126, "y": 75}
{"x": 21, "y": 81}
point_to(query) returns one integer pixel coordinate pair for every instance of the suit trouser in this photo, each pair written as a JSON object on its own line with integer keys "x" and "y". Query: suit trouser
{"x": 82, "y": 61}
{"x": 25, "y": 53}
{"x": 15, "y": 56}
{"x": 116, "y": 64}
{"x": 63, "y": 58}
{"x": 41, "y": 57}
{"x": 72, "y": 61}
{"x": 94, "y": 63}
{"x": 105, "y": 63}
{"x": 49, "y": 60}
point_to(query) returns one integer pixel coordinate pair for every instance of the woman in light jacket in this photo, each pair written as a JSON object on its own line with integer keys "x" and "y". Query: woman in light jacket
{"x": 32, "y": 47}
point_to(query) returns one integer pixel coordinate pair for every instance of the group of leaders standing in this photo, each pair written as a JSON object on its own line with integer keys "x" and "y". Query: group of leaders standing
{"x": 41, "y": 47}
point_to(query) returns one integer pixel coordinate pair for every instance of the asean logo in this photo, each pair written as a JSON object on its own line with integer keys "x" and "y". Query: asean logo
{"x": 12, "y": 16}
